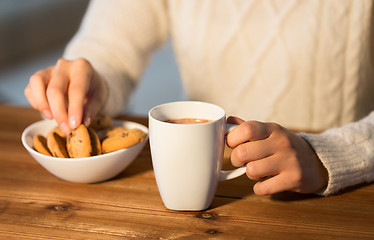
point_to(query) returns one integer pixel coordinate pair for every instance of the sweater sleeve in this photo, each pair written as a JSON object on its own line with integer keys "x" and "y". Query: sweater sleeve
{"x": 117, "y": 38}
{"x": 347, "y": 153}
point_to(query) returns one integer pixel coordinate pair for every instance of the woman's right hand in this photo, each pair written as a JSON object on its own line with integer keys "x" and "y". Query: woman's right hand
{"x": 71, "y": 92}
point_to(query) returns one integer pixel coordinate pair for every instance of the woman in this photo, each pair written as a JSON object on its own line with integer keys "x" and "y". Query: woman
{"x": 300, "y": 65}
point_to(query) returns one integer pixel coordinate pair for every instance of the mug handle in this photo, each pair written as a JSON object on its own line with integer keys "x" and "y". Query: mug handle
{"x": 230, "y": 174}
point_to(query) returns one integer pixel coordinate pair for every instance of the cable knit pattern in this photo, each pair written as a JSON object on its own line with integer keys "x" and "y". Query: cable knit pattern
{"x": 303, "y": 64}
{"x": 295, "y": 62}
{"x": 347, "y": 153}
{"x": 117, "y": 39}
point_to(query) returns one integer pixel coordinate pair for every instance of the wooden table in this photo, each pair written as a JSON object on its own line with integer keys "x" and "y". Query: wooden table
{"x": 36, "y": 205}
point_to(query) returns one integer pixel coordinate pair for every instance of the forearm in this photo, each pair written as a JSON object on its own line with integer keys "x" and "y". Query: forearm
{"x": 117, "y": 39}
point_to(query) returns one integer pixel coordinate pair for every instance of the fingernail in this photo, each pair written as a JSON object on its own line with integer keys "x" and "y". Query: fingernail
{"x": 87, "y": 121}
{"x": 65, "y": 128}
{"x": 73, "y": 122}
{"x": 47, "y": 114}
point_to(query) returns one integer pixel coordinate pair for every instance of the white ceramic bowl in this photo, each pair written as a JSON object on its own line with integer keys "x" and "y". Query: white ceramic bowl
{"x": 83, "y": 170}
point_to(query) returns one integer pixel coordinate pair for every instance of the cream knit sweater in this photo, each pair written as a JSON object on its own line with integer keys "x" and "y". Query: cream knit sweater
{"x": 305, "y": 64}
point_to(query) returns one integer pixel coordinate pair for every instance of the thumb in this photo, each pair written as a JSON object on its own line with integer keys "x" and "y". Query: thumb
{"x": 234, "y": 120}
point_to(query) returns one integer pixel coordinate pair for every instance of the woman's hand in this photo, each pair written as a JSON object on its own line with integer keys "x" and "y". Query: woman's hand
{"x": 71, "y": 92}
{"x": 276, "y": 157}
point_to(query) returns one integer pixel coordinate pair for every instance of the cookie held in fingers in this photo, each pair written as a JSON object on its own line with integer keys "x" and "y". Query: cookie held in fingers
{"x": 40, "y": 144}
{"x": 83, "y": 142}
{"x": 124, "y": 139}
{"x": 57, "y": 145}
{"x": 79, "y": 142}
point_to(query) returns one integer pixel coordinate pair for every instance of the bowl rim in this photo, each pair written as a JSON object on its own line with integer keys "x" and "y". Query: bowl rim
{"x": 116, "y": 122}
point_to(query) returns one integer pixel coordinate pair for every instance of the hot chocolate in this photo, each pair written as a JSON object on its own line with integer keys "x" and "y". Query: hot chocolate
{"x": 188, "y": 121}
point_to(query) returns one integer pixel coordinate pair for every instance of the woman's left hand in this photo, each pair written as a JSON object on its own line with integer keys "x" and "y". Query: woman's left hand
{"x": 276, "y": 157}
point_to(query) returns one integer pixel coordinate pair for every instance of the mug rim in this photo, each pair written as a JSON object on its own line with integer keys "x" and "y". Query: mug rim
{"x": 152, "y": 110}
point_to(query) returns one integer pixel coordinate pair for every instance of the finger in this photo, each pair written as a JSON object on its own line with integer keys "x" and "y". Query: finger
{"x": 234, "y": 120}
{"x": 247, "y": 131}
{"x": 92, "y": 108}
{"x": 80, "y": 79}
{"x": 29, "y": 97}
{"x": 56, "y": 92}
{"x": 96, "y": 98}
{"x": 250, "y": 151}
{"x": 36, "y": 91}
{"x": 276, "y": 184}
{"x": 263, "y": 168}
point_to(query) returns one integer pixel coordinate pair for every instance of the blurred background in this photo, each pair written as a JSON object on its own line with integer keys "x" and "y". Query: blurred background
{"x": 33, "y": 34}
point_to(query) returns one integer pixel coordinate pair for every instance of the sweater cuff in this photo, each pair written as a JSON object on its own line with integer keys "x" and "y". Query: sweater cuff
{"x": 342, "y": 163}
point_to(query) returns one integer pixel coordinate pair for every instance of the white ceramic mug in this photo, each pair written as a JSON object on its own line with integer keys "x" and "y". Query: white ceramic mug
{"x": 187, "y": 158}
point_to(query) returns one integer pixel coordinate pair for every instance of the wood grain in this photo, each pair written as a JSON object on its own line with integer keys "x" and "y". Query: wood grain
{"x": 36, "y": 205}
